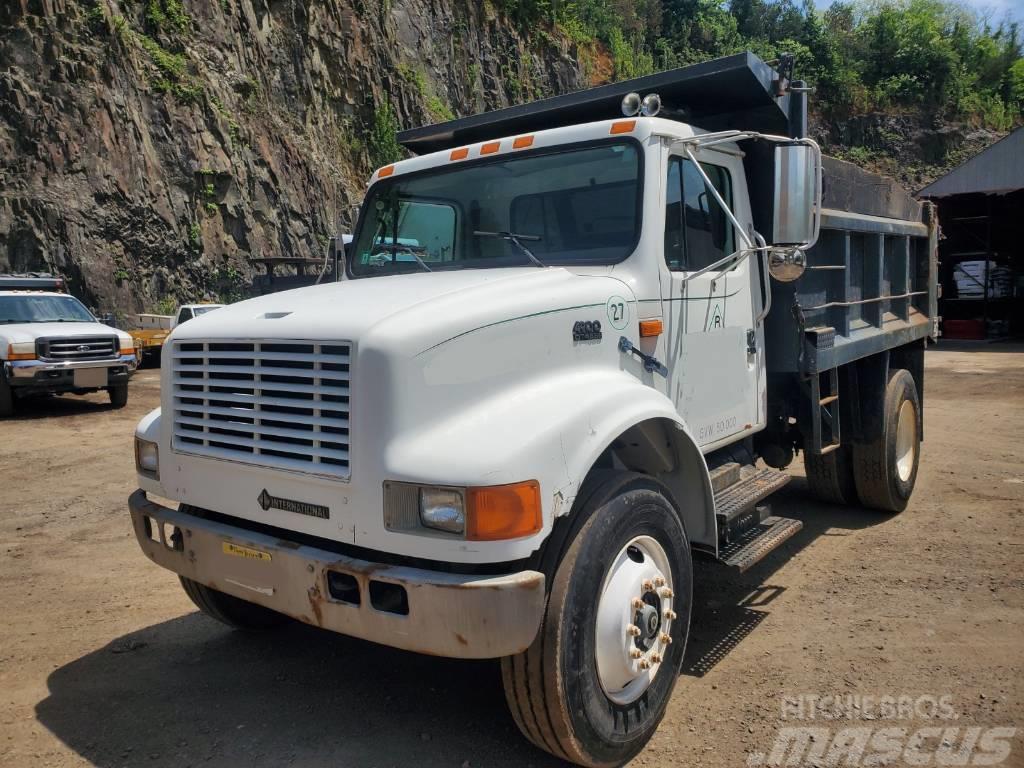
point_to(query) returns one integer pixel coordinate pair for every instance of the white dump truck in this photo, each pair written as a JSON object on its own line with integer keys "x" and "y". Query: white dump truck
{"x": 50, "y": 344}
{"x": 573, "y": 345}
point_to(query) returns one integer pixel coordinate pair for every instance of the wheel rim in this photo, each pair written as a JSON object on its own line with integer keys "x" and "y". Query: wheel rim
{"x": 906, "y": 440}
{"x": 634, "y": 620}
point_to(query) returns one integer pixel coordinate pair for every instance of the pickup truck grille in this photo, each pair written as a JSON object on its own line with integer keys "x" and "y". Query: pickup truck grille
{"x": 83, "y": 348}
{"x": 279, "y": 404}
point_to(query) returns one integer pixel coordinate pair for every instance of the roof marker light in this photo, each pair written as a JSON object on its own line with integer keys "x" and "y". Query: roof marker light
{"x": 386, "y": 171}
{"x": 623, "y": 126}
{"x": 490, "y": 148}
{"x": 522, "y": 142}
{"x": 459, "y": 154}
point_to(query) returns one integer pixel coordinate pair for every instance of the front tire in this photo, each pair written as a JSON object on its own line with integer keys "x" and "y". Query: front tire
{"x": 118, "y": 395}
{"x": 885, "y": 470}
{"x": 6, "y": 398}
{"x": 590, "y": 689}
{"x": 830, "y": 477}
{"x": 230, "y": 610}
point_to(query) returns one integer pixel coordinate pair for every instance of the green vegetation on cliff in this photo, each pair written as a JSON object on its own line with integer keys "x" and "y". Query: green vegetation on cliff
{"x": 928, "y": 55}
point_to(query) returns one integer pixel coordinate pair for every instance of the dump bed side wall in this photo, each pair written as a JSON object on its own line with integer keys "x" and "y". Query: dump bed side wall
{"x": 870, "y": 286}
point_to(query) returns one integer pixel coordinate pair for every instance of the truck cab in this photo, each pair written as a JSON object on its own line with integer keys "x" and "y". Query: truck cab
{"x": 547, "y": 387}
{"x": 50, "y": 344}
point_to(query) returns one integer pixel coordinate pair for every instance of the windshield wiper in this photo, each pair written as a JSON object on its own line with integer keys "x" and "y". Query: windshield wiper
{"x": 516, "y": 240}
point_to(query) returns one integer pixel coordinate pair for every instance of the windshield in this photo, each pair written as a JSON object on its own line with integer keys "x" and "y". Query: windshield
{"x": 570, "y": 206}
{"x": 29, "y": 308}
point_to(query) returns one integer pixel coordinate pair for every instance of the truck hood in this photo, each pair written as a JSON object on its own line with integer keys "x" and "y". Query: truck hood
{"x": 21, "y": 332}
{"x": 420, "y": 310}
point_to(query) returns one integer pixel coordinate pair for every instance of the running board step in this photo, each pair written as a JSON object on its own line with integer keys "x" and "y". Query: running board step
{"x": 736, "y": 505}
{"x": 758, "y": 542}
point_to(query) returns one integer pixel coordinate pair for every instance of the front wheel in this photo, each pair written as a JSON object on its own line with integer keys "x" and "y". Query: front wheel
{"x": 6, "y": 398}
{"x": 118, "y": 395}
{"x": 230, "y": 610}
{"x": 594, "y": 685}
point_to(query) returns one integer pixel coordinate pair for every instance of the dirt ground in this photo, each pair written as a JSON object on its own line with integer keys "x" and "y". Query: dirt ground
{"x": 104, "y": 661}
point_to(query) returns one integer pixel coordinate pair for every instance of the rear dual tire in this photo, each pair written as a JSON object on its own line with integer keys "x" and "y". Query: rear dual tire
{"x": 881, "y": 473}
{"x": 578, "y": 692}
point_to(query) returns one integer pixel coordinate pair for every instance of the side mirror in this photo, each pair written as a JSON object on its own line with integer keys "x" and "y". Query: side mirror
{"x": 797, "y": 197}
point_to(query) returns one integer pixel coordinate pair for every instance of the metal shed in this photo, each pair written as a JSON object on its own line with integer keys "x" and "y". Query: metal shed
{"x": 982, "y": 261}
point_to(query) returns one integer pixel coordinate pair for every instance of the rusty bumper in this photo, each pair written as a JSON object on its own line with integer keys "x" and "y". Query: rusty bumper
{"x": 443, "y": 614}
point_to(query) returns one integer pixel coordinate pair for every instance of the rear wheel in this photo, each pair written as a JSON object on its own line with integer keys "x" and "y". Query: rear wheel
{"x": 830, "y": 477}
{"x": 593, "y": 686}
{"x": 118, "y": 395}
{"x": 6, "y": 398}
{"x": 230, "y": 610}
{"x": 885, "y": 470}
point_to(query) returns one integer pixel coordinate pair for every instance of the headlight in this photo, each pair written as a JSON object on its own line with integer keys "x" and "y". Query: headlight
{"x": 147, "y": 458}
{"x": 442, "y": 509}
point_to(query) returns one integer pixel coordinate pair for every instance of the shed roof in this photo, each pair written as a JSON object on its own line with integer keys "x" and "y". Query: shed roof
{"x": 997, "y": 170}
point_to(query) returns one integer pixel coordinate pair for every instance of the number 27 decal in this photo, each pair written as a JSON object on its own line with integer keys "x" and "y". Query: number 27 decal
{"x": 618, "y": 312}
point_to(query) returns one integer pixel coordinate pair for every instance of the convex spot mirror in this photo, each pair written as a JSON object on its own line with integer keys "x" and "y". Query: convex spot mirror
{"x": 786, "y": 264}
{"x": 796, "y": 195}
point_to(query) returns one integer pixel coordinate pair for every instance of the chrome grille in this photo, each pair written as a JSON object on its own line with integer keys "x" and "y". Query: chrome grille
{"x": 280, "y": 404}
{"x": 85, "y": 348}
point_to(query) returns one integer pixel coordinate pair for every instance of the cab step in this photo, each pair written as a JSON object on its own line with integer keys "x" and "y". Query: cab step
{"x": 758, "y": 542}
{"x": 736, "y": 503}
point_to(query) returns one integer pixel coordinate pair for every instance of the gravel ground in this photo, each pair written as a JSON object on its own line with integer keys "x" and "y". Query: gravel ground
{"x": 104, "y": 661}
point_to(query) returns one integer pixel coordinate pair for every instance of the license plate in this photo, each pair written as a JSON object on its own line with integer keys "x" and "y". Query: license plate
{"x": 90, "y": 377}
{"x": 246, "y": 552}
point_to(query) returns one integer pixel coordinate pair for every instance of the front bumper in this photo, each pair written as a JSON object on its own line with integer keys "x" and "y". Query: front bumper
{"x": 60, "y": 374}
{"x": 455, "y": 615}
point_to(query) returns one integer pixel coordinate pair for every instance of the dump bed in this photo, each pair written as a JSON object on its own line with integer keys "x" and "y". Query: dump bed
{"x": 871, "y": 279}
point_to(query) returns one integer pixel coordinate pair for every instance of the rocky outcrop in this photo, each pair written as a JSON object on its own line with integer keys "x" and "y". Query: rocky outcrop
{"x": 148, "y": 149}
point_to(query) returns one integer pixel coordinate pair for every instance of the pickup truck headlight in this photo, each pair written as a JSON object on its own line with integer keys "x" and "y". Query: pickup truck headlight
{"x": 147, "y": 458}
{"x": 442, "y": 509}
{"x": 21, "y": 350}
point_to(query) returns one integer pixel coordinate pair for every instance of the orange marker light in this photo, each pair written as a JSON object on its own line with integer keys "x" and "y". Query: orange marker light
{"x": 522, "y": 142}
{"x": 623, "y": 126}
{"x": 502, "y": 512}
{"x": 386, "y": 171}
{"x": 459, "y": 154}
{"x": 490, "y": 148}
{"x": 12, "y": 355}
{"x": 651, "y": 328}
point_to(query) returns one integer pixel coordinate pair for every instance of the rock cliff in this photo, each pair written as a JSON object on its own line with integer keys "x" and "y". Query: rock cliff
{"x": 147, "y": 149}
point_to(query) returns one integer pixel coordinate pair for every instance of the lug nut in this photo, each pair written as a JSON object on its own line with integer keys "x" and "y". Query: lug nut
{"x": 670, "y": 614}
{"x": 659, "y": 581}
{"x": 666, "y": 638}
{"x": 637, "y": 603}
{"x": 665, "y": 592}
{"x": 644, "y": 664}
{"x": 636, "y": 653}
{"x": 656, "y": 658}
{"x": 633, "y": 630}
{"x": 648, "y": 585}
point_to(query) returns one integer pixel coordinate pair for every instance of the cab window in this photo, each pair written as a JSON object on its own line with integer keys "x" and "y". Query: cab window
{"x": 697, "y": 231}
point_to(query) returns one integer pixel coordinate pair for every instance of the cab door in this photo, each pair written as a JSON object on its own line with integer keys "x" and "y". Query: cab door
{"x": 711, "y": 334}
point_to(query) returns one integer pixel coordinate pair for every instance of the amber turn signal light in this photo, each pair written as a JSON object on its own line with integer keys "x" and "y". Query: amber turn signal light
{"x": 500, "y": 512}
{"x": 622, "y": 126}
{"x": 651, "y": 328}
{"x": 19, "y": 352}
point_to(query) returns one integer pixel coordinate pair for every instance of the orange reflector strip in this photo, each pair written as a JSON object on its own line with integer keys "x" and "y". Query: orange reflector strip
{"x": 502, "y": 512}
{"x": 459, "y": 154}
{"x": 386, "y": 171}
{"x": 651, "y": 327}
{"x": 490, "y": 148}
{"x": 623, "y": 126}
{"x": 522, "y": 142}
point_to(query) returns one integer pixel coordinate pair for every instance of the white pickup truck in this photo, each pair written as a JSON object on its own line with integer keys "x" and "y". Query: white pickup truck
{"x": 50, "y": 344}
{"x": 564, "y": 347}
